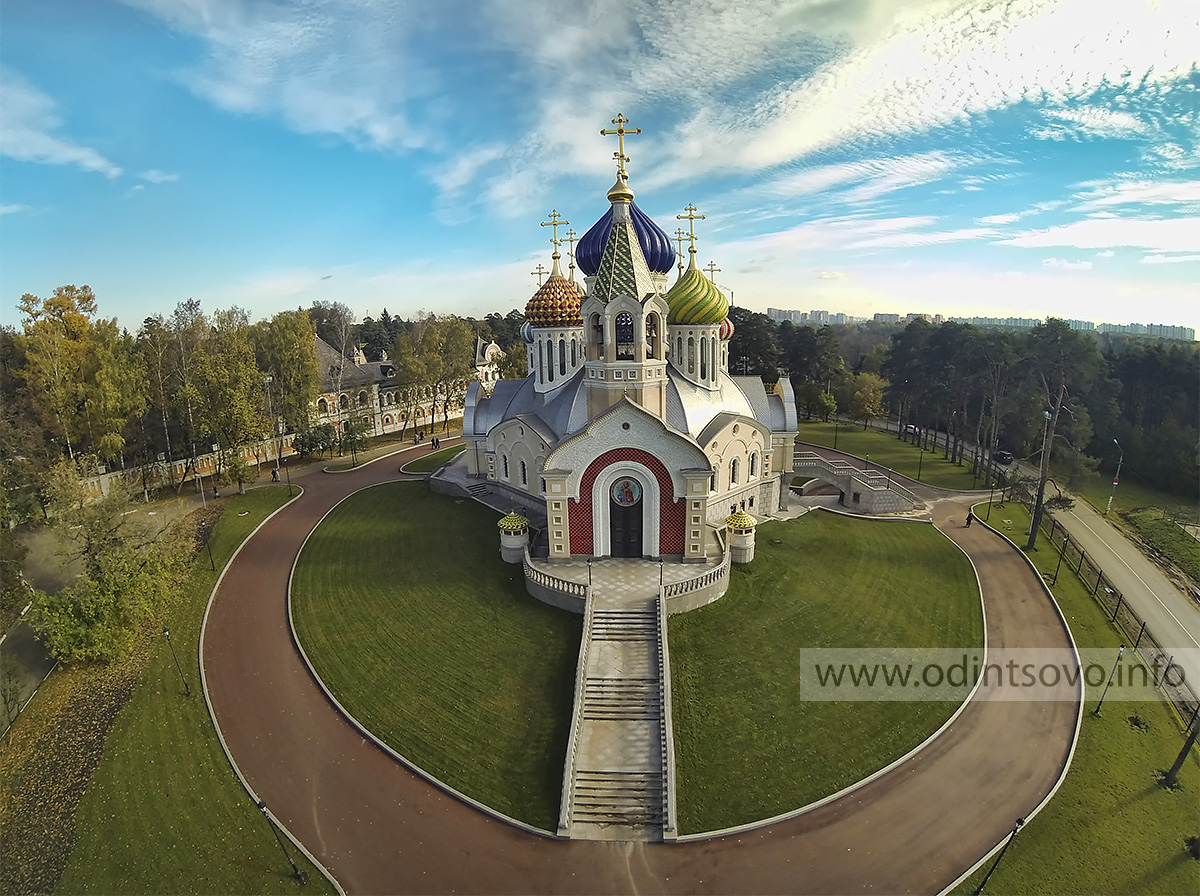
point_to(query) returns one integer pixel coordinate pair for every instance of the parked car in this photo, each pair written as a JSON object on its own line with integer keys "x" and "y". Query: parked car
{"x": 1002, "y": 457}
{"x": 911, "y": 430}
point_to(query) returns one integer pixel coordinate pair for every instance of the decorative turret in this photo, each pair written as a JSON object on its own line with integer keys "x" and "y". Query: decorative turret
{"x": 696, "y": 310}
{"x": 740, "y": 528}
{"x": 514, "y": 537}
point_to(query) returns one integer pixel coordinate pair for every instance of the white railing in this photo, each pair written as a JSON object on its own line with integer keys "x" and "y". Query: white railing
{"x": 872, "y": 479}
{"x": 568, "y": 788}
{"x": 702, "y": 580}
{"x": 665, "y": 726}
{"x": 546, "y": 580}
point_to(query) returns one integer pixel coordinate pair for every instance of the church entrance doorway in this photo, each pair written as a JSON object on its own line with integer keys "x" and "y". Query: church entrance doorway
{"x": 625, "y": 514}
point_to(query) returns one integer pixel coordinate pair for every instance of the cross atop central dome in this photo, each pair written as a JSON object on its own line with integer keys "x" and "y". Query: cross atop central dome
{"x": 655, "y": 244}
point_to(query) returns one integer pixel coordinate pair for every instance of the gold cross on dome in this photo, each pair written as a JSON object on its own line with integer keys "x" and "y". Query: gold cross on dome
{"x": 539, "y": 273}
{"x": 554, "y": 222}
{"x": 620, "y": 130}
{"x": 691, "y": 217}
{"x": 712, "y": 270}
{"x": 571, "y": 248}
{"x": 680, "y": 236}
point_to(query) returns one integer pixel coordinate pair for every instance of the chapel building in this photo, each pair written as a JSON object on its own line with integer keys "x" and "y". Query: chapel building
{"x": 629, "y": 427}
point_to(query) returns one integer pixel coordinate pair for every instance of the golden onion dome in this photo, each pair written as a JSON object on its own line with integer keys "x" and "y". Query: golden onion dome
{"x": 694, "y": 299}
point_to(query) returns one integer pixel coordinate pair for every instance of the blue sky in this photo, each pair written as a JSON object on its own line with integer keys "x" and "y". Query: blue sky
{"x": 962, "y": 157}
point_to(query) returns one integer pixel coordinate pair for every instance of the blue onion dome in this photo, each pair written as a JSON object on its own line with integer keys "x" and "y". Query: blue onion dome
{"x": 527, "y": 333}
{"x": 694, "y": 299}
{"x": 656, "y": 245}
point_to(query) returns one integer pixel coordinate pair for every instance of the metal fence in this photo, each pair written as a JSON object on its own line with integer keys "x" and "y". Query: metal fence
{"x": 1138, "y": 634}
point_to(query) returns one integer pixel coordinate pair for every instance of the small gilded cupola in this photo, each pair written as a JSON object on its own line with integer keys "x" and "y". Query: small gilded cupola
{"x": 554, "y": 327}
{"x": 697, "y": 317}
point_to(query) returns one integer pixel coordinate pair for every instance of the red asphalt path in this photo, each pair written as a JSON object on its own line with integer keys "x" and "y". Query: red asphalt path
{"x": 380, "y": 828}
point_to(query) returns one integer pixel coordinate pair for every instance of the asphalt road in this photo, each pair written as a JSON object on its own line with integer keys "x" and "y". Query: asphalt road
{"x": 382, "y": 829}
{"x": 1168, "y": 612}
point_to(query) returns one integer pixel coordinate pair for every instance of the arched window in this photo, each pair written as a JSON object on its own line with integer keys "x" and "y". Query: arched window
{"x": 652, "y": 343}
{"x": 362, "y": 399}
{"x": 322, "y": 407}
{"x": 733, "y": 472}
{"x": 712, "y": 482}
{"x": 562, "y": 356}
{"x": 624, "y": 326}
{"x": 679, "y": 351}
{"x": 343, "y": 401}
{"x": 753, "y": 464}
{"x": 524, "y": 474}
{"x": 574, "y": 359}
{"x": 548, "y": 348}
{"x": 691, "y": 367}
{"x": 504, "y": 462}
{"x": 598, "y": 335}
{"x": 703, "y": 358}
{"x": 713, "y": 344}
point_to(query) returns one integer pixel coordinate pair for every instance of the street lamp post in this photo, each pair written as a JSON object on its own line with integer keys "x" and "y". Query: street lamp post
{"x": 1043, "y": 475}
{"x": 1116, "y": 476}
{"x": 300, "y": 876}
{"x": 208, "y": 544}
{"x": 288, "y": 470}
{"x": 1111, "y": 675}
{"x": 920, "y": 462}
{"x": 1003, "y": 850}
{"x": 187, "y": 691}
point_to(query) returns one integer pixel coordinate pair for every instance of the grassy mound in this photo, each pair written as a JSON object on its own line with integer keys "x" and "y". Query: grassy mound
{"x": 410, "y": 617}
{"x": 747, "y": 747}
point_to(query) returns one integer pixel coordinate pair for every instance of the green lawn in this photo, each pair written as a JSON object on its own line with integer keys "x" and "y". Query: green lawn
{"x": 885, "y": 450}
{"x": 1110, "y": 828}
{"x": 164, "y": 812}
{"x": 431, "y": 462}
{"x": 409, "y": 615}
{"x": 746, "y": 747}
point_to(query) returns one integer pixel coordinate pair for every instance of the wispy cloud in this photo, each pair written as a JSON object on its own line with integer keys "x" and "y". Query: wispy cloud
{"x": 1066, "y": 265}
{"x": 1168, "y": 259}
{"x": 14, "y": 209}
{"x": 154, "y": 176}
{"x": 30, "y": 125}
{"x": 1156, "y": 234}
{"x": 1113, "y": 194}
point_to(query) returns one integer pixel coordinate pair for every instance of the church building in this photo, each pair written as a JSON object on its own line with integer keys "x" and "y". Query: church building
{"x": 629, "y": 427}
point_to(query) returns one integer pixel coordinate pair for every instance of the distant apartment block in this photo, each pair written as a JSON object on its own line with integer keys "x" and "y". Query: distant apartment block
{"x": 881, "y": 318}
{"x": 1161, "y": 331}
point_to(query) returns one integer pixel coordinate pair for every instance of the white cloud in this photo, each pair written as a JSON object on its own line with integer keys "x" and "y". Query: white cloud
{"x": 30, "y": 123}
{"x": 154, "y": 176}
{"x": 1112, "y": 194}
{"x": 1107, "y": 253}
{"x": 873, "y": 177}
{"x": 14, "y": 209}
{"x": 830, "y": 275}
{"x": 1168, "y": 259}
{"x": 1095, "y": 121}
{"x": 1067, "y": 265}
{"x": 999, "y": 219}
{"x": 1155, "y": 234}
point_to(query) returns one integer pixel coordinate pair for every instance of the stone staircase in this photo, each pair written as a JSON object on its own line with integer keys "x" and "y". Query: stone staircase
{"x": 615, "y": 787}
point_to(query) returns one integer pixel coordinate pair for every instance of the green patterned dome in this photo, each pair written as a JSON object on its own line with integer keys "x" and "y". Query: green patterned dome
{"x": 740, "y": 520}
{"x": 514, "y": 522}
{"x": 695, "y": 300}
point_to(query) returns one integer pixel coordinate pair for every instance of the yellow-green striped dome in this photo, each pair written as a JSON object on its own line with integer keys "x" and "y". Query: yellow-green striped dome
{"x": 514, "y": 522}
{"x": 695, "y": 300}
{"x": 740, "y": 520}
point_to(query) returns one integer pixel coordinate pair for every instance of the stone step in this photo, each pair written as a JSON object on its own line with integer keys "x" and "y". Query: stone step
{"x": 617, "y": 797}
{"x": 622, "y": 699}
{"x": 624, "y": 625}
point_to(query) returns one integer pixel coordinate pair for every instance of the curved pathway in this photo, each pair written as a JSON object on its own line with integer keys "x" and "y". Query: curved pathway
{"x": 380, "y": 828}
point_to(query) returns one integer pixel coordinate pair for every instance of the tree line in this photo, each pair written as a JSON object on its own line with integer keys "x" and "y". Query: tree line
{"x": 993, "y": 388}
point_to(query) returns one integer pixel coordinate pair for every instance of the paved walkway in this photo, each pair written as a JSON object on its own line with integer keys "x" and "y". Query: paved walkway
{"x": 617, "y": 791}
{"x": 382, "y": 829}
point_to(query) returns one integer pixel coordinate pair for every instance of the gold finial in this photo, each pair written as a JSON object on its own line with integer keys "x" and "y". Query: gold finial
{"x": 554, "y": 240}
{"x": 691, "y": 218}
{"x": 571, "y": 250}
{"x": 620, "y": 130}
{"x": 679, "y": 238}
{"x": 539, "y": 272}
{"x": 712, "y": 271}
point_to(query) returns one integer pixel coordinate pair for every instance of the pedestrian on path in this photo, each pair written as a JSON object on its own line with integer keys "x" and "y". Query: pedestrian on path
{"x": 274, "y": 475}
{"x": 970, "y": 517}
